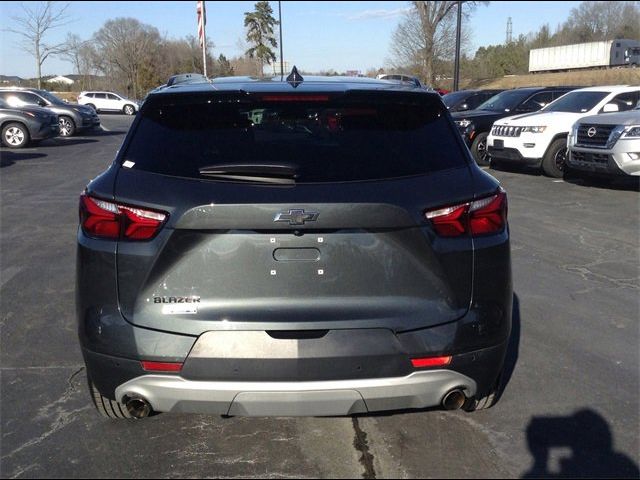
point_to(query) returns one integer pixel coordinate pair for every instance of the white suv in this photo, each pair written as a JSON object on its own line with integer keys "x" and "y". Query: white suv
{"x": 540, "y": 139}
{"x": 108, "y": 101}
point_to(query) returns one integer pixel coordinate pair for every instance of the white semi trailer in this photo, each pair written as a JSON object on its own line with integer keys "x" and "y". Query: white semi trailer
{"x": 611, "y": 53}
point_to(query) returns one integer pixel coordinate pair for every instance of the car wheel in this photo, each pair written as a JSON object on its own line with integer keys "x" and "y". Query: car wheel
{"x": 554, "y": 161}
{"x": 15, "y": 135}
{"x": 479, "y": 149}
{"x": 106, "y": 407}
{"x": 129, "y": 110}
{"x": 67, "y": 127}
{"x": 91, "y": 105}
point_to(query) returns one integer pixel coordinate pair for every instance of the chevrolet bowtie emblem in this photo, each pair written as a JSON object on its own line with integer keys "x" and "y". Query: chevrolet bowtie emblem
{"x": 296, "y": 217}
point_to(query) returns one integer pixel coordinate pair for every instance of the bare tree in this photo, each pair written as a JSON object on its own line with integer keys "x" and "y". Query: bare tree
{"x": 35, "y": 22}
{"x": 127, "y": 47}
{"x": 426, "y": 35}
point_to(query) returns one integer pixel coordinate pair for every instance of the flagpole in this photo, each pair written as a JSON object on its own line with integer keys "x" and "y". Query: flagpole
{"x": 204, "y": 39}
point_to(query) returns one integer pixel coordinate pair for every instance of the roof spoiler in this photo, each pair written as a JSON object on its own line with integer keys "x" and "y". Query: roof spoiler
{"x": 186, "y": 78}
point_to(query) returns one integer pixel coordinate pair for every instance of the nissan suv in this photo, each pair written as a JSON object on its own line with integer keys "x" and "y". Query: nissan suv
{"x": 540, "y": 139}
{"x": 606, "y": 145}
{"x": 72, "y": 118}
{"x": 319, "y": 246}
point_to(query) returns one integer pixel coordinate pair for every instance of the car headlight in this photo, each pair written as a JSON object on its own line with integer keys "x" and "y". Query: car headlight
{"x": 463, "y": 123}
{"x": 632, "y": 131}
{"x": 534, "y": 129}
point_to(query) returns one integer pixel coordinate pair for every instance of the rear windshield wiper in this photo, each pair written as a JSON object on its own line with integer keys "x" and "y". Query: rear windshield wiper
{"x": 252, "y": 172}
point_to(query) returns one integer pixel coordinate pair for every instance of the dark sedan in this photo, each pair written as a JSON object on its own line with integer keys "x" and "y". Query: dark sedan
{"x": 20, "y": 126}
{"x": 464, "y": 100}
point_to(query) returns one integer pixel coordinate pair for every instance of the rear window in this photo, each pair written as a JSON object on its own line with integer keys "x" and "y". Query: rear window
{"x": 337, "y": 138}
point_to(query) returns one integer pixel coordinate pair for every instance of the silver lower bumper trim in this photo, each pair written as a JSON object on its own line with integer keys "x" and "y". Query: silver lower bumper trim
{"x": 339, "y": 397}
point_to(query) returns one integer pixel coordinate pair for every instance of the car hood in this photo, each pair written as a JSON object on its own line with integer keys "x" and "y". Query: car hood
{"x": 471, "y": 114}
{"x": 620, "y": 118}
{"x": 558, "y": 121}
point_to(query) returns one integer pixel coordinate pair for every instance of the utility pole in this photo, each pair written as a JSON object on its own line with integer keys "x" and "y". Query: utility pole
{"x": 280, "y": 23}
{"x": 456, "y": 73}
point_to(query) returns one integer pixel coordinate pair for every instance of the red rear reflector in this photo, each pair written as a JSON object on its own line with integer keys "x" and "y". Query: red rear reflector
{"x": 430, "y": 362}
{"x": 103, "y": 219}
{"x": 295, "y": 98}
{"x": 161, "y": 366}
{"x": 479, "y": 217}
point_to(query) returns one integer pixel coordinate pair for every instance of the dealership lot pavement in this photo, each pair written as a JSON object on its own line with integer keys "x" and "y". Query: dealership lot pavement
{"x": 570, "y": 405}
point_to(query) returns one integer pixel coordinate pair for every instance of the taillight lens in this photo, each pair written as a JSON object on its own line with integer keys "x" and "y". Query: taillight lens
{"x": 102, "y": 219}
{"x": 481, "y": 217}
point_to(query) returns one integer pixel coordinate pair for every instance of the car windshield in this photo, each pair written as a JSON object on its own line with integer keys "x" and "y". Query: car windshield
{"x": 51, "y": 97}
{"x": 576, "y": 102}
{"x": 348, "y": 138}
{"x": 451, "y": 99}
{"x": 505, "y": 101}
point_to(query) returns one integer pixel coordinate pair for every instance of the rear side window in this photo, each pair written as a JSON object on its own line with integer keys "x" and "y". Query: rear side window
{"x": 346, "y": 137}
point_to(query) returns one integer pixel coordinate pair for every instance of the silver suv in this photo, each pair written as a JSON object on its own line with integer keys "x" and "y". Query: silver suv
{"x": 72, "y": 117}
{"x": 606, "y": 144}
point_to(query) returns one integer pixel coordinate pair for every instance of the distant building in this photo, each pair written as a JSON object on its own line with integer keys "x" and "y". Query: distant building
{"x": 353, "y": 73}
{"x": 60, "y": 79}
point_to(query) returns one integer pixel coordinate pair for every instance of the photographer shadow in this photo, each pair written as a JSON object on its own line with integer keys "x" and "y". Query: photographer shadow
{"x": 587, "y": 438}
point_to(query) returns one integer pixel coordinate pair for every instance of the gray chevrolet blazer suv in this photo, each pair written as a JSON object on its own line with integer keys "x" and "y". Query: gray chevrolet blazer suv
{"x": 286, "y": 247}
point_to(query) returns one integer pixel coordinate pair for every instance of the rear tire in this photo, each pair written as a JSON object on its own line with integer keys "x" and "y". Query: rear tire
{"x": 129, "y": 110}
{"x": 555, "y": 159}
{"x": 91, "y": 105}
{"x": 487, "y": 401}
{"x": 106, "y": 407}
{"x": 479, "y": 149}
{"x": 15, "y": 135}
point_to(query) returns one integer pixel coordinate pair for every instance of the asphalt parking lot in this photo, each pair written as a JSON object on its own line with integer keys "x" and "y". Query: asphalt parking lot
{"x": 570, "y": 406}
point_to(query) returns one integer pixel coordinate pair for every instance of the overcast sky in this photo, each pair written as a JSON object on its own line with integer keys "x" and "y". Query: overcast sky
{"x": 316, "y": 35}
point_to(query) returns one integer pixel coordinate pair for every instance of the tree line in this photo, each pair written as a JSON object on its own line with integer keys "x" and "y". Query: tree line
{"x": 423, "y": 42}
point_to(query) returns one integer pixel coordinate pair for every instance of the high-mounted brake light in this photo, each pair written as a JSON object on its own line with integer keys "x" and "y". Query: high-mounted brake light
{"x": 480, "y": 217}
{"x": 295, "y": 98}
{"x": 102, "y": 219}
{"x": 430, "y": 362}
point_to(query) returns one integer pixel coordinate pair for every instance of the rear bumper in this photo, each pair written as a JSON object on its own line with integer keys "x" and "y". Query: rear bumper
{"x": 341, "y": 397}
{"x": 474, "y": 373}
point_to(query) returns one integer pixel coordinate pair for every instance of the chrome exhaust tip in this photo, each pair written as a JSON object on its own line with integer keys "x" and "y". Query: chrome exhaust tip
{"x": 138, "y": 407}
{"x": 454, "y": 400}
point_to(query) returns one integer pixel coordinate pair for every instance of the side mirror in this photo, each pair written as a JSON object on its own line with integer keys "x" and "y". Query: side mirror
{"x": 610, "y": 107}
{"x": 42, "y": 103}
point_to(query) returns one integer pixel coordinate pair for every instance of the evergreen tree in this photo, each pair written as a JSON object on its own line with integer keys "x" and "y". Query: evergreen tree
{"x": 260, "y": 26}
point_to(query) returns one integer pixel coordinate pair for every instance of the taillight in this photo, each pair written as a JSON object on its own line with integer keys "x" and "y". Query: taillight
{"x": 102, "y": 219}
{"x": 480, "y": 217}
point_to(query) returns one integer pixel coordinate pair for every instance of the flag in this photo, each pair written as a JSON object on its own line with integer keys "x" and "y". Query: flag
{"x": 202, "y": 20}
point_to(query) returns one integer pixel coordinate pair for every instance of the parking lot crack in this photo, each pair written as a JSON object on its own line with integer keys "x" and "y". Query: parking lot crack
{"x": 361, "y": 445}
